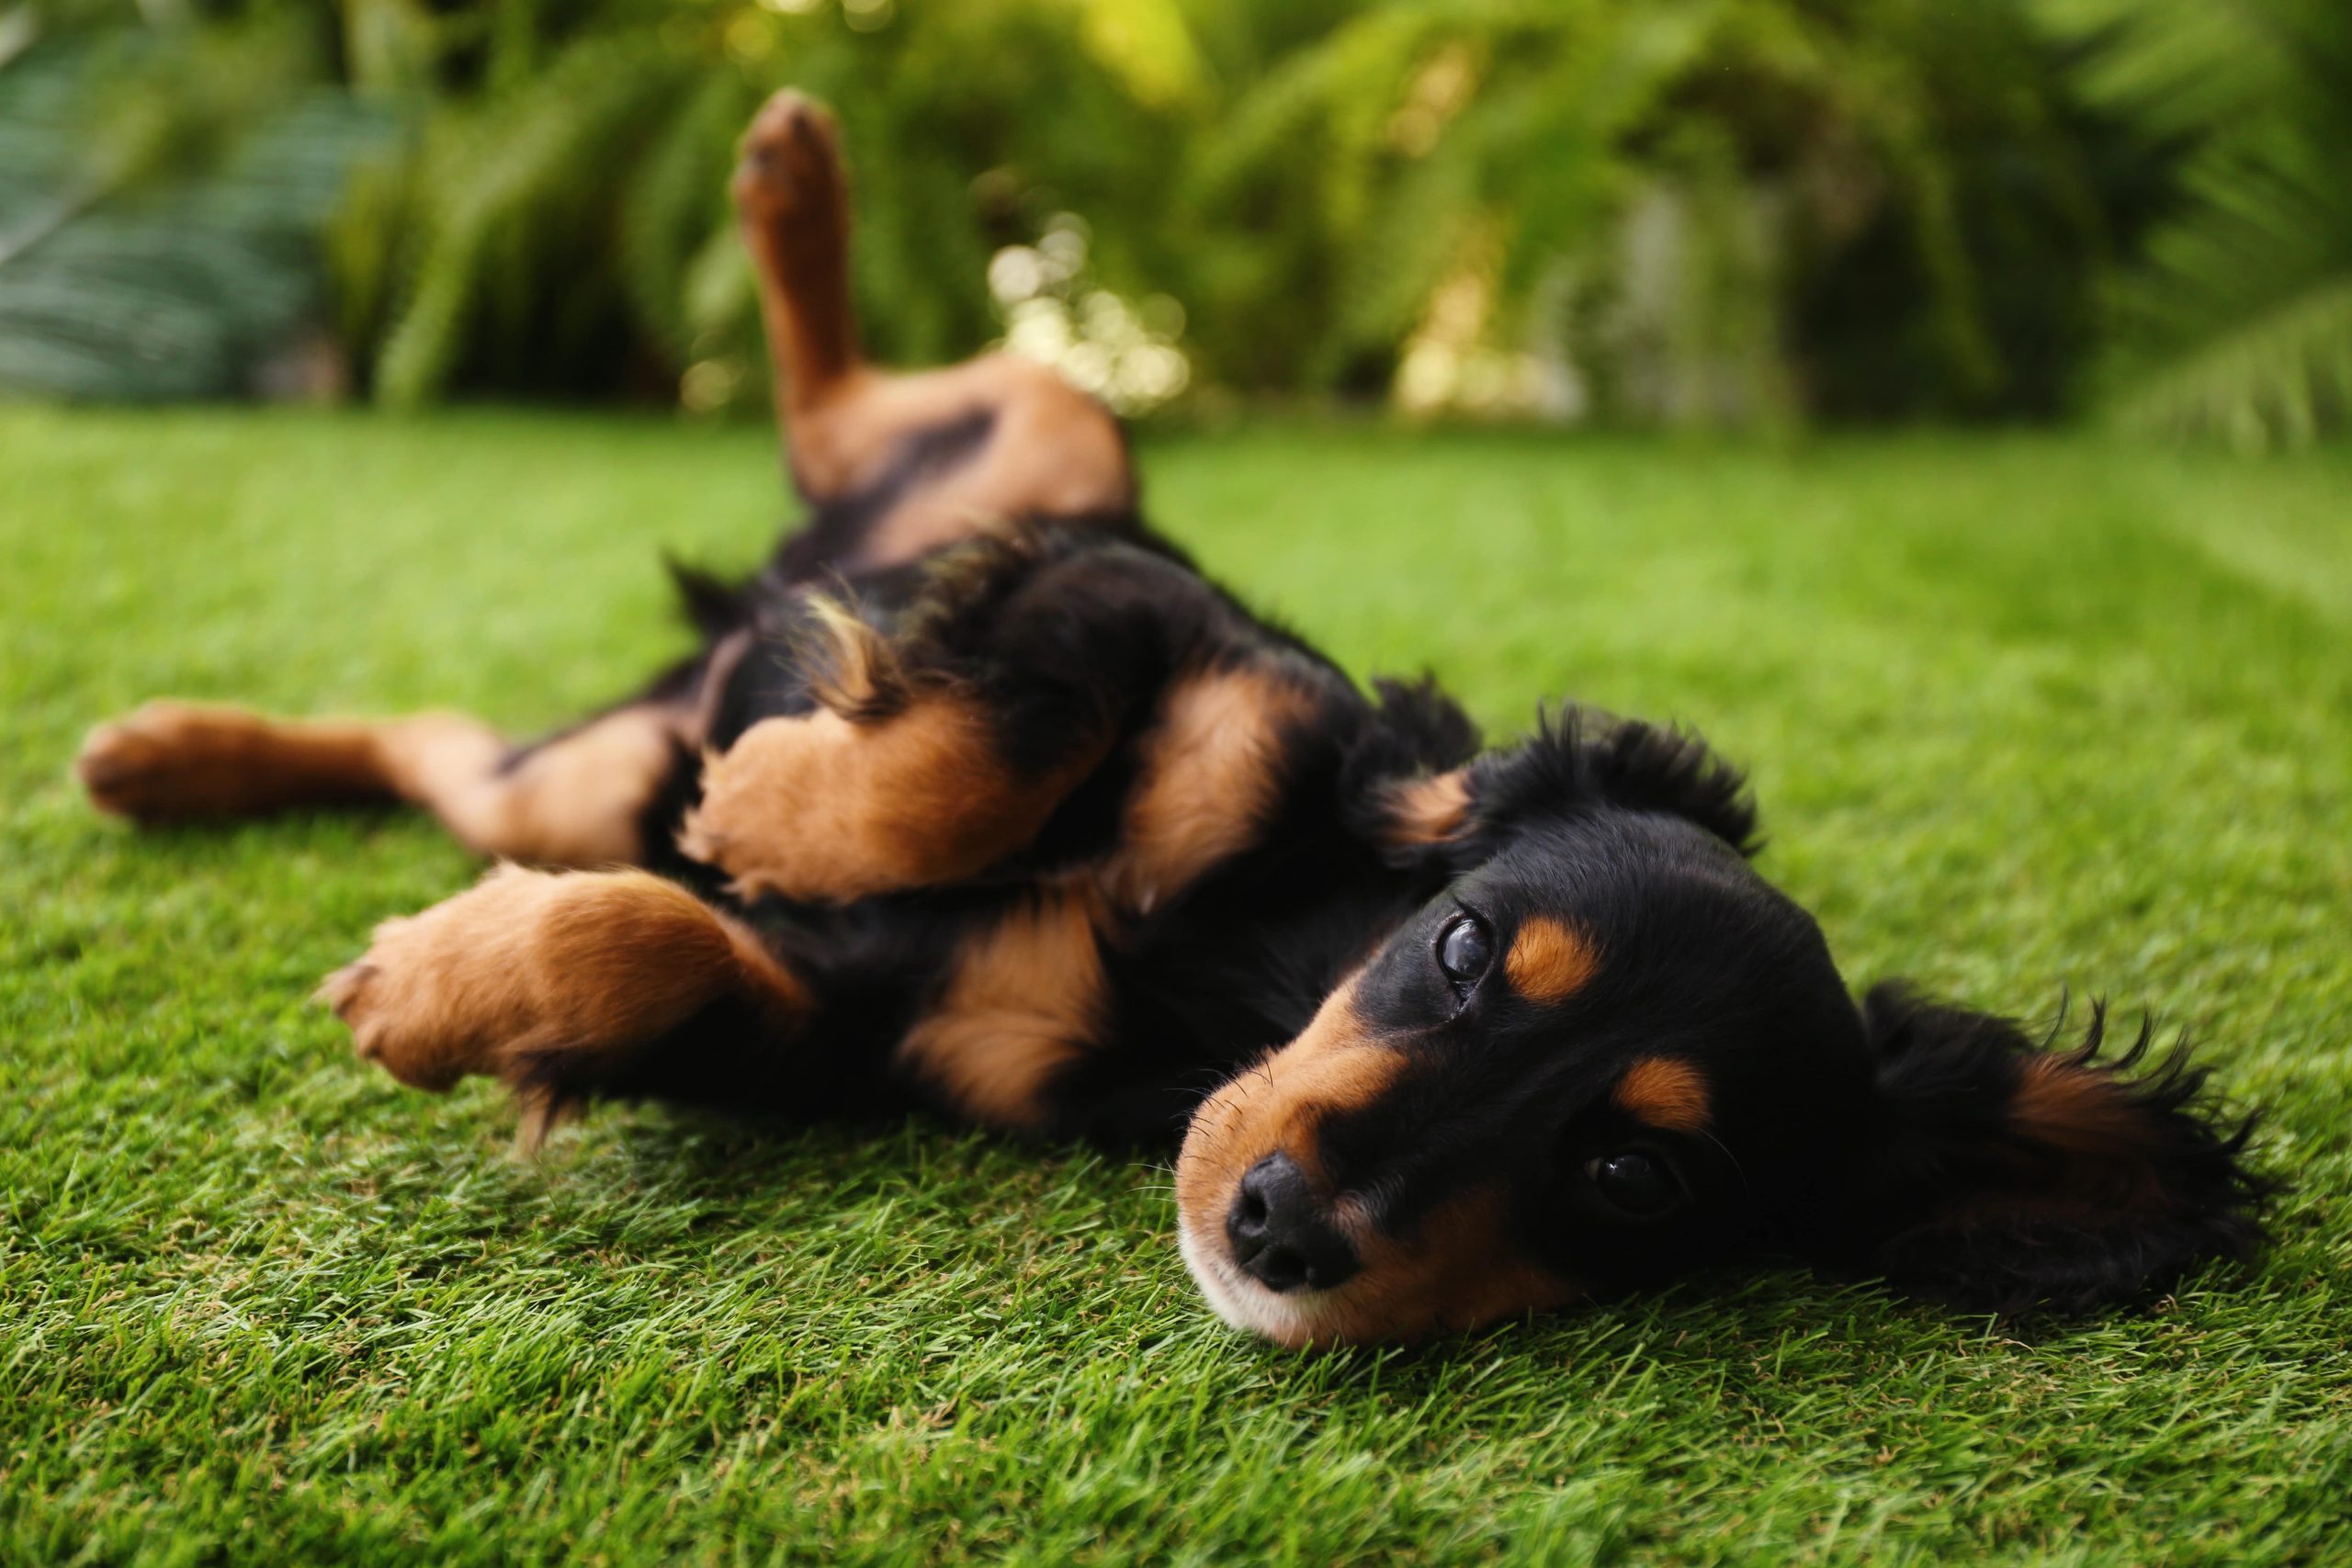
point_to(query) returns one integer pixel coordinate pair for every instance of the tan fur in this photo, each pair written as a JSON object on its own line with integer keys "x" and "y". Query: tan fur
{"x": 574, "y": 801}
{"x": 1333, "y": 1066}
{"x": 571, "y": 802}
{"x": 854, "y": 669}
{"x": 1427, "y": 811}
{"x": 1548, "y": 961}
{"x": 1052, "y": 450}
{"x": 1023, "y": 998}
{"x": 1456, "y": 1269}
{"x": 531, "y": 961}
{"x": 1212, "y": 769}
{"x": 2066, "y": 1106}
{"x": 818, "y": 808}
{"x": 1665, "y": 1093}
{"x": 172, "y": 762}
{"x": 793, "y": 205}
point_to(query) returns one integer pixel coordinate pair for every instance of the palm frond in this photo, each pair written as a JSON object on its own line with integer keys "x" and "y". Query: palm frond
{"x": 121, "y": 282}
{"x": 2239, "y": 324}
{"x": 673, "y": 206}
{"x": 513, "y": 186}
{"x": 2280, "y": 378}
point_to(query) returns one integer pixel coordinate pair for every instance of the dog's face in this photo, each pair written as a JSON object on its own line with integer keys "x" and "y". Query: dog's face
{"x": 1589, "y": 1064}
{"x": 1609, "y": 1054}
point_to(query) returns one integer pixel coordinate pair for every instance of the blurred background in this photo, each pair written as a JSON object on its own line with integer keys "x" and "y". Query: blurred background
{"x": 1729, "y": 214}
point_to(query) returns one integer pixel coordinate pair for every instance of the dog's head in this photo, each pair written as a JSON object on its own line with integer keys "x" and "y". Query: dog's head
{"x": 1609, "y": 1054}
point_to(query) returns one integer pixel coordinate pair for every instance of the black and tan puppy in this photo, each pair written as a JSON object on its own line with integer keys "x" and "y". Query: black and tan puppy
{"x": 979, "y": 797}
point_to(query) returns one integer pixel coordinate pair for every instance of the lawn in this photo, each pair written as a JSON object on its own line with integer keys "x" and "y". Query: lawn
{"x": 2024, "y": 712}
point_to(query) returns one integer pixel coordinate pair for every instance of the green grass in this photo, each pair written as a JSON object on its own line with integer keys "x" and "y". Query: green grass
{"x": 2024, "y": 712}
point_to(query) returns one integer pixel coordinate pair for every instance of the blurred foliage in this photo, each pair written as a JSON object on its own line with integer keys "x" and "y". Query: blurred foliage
{"x": 1681, "y": 211}
{"x": 2241, "y": 324}
{"x": 158, "y": 220}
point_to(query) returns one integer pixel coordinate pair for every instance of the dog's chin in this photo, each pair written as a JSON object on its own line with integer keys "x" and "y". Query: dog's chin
{"x": 1289, "y": 1320}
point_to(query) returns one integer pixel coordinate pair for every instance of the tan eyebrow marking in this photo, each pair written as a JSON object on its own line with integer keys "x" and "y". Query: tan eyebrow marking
{"x": 1548, "y": 962}
{"x": 1664, "y": 1093}
{"x": 1426, "y": 811}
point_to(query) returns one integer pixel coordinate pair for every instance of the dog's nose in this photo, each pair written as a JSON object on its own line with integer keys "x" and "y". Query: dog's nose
{"x": 1278, "y": 1232}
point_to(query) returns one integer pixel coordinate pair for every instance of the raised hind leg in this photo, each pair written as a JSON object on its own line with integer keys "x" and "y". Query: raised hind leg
{"x": 924, "y": 458}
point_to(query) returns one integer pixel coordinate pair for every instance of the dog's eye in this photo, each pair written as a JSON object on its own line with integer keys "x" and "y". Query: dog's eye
{"x": 1464, "y": 950}
{"x": 1637, "y": 1184}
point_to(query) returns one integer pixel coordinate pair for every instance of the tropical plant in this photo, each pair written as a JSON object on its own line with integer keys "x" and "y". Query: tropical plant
{"x": 161, "y": 191}
{"x": 1889, "y": 201}
{"x": 562, "y": 222}
{"x": 2240, "y": 323}
{"x": 1700, "y": 209}
{"x": 1680, "y": 210}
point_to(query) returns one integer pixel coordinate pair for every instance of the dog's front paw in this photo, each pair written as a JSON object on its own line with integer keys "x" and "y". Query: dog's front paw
{"x": 547, "y": 979}
{"x": 450, "y": 991}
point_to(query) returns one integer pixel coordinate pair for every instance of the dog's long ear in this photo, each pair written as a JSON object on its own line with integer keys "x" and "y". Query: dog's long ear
{"x": 1574, "y": 761}
{"x": 2005, "y": 1176}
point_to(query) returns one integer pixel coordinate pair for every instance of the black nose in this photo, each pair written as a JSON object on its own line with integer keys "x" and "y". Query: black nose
{"x": 1279, "y": 1234}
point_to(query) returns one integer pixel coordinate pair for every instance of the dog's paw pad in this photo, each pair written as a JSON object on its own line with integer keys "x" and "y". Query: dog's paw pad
{"x": 791, "y": 157}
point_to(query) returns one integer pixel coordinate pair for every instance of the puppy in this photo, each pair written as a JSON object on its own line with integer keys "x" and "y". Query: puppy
{"x": 979, "y": 797}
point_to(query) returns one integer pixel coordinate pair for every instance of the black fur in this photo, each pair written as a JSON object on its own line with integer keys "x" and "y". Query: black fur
{"x": 1063, "y": 633}
{"x": 1579, "y": 761}
{"x": 1979, "y": 1213}
{"x": 1885, "y": 1139}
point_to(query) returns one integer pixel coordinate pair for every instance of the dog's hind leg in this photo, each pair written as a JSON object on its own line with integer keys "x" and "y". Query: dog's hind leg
{"x": 574, "y": 800}
{"x": 925, "y": 458}
{"x": 792, "y": 198}
{"x": 572, "y": 986}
